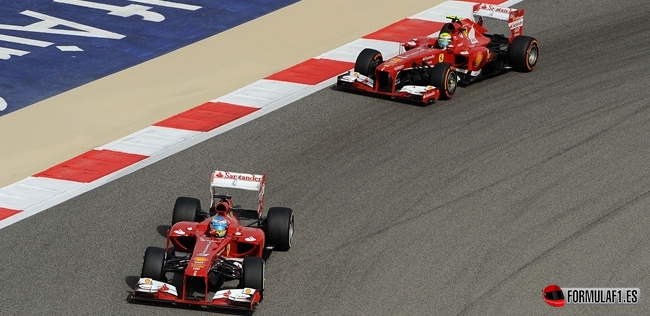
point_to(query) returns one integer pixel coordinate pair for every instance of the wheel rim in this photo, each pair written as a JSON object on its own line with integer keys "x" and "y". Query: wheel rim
{"x": 374, "y": 64}
{"x": 451, "y": 82}
{"x": 532, "y": 55}
{"x": 291, "y": 231}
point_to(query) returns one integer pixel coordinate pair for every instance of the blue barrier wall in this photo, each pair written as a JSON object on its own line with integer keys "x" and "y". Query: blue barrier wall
{"x": 51, "y": 46}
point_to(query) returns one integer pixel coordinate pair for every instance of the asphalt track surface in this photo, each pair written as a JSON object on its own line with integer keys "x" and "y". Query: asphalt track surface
{"x": 470, "y": 206}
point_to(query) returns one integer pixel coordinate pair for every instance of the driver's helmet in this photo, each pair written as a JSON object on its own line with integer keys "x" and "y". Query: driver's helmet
{"x": 444, "y": 39}
{"x": 218, "y": 226}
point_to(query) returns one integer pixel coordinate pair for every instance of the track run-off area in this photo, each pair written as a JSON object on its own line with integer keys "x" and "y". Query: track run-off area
{"x": 465, "y": 207}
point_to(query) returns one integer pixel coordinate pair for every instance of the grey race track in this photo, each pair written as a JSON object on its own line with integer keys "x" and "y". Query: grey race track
{"x": 470, "y": 206}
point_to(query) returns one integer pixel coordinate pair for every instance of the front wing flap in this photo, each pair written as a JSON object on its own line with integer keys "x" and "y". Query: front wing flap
{"x": 355, "y": 77}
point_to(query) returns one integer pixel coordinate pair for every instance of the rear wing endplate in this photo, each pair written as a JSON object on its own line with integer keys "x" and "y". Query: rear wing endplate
{"x": 240, "y": 181}
{"x": 515, "y": 17}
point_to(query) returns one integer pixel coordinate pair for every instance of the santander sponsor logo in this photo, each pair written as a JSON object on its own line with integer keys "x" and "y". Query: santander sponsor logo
{"x": 494, "y": 8}
{"x": 516, "y": 23}
{"x": 430, "y": 94}
{"x": 237, "y": 176}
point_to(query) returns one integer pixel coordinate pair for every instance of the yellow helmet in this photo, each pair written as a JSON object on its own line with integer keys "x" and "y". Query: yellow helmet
{"x": 444, "y": 39}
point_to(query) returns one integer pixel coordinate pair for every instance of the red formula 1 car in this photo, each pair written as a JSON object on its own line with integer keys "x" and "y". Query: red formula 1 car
{"x": 425, "y": 71}
{"x": 216, "y": 260}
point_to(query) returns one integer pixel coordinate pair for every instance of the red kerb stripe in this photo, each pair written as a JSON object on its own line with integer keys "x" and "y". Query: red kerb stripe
{"x": 7, "y": 212}
{"x": 91, "y": 166}
{"x": 207, "y": 116}
{"x": 312, "y": 71}
{"x": 405, "y": 30}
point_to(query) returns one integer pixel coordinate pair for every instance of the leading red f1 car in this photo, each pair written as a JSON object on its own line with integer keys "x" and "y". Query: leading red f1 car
{"x": 425, "y": 71}
{"x": 216, "y": 260}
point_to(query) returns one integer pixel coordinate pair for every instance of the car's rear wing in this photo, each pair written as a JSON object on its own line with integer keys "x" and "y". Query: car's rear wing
{"x": 515, "y": 17}
{"x": 240, "y": 181}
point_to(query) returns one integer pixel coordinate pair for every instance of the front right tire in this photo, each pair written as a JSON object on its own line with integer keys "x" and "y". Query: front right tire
{"x": 279, "y": 228}
{"x": 443, "y": 77}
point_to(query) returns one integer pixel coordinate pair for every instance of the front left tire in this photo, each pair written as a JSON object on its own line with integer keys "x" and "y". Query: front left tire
{"x": 153, "y": 264}
{"x": 186, "y": 210}
{"x": 253, "y": 273}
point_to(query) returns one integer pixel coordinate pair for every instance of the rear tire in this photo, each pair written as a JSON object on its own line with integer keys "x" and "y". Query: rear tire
{"x": 153, "y": 264}
{"x": 279, "y": 228}
{"x": 523, "y": 53}
{"x": 253, "y": 273}
{"x": 186, "y": 210}
{"x": 367, "y": 62}
{"x": 443, "y": 77}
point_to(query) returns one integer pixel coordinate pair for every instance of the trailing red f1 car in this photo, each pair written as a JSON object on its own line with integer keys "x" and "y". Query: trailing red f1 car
{"x": 431, "y": 68}
{"x": 217, "y": 261}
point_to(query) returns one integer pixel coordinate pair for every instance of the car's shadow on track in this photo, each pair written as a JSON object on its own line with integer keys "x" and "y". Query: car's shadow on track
{"x": 131, "y": 280}
{"x": 163, "y": 229}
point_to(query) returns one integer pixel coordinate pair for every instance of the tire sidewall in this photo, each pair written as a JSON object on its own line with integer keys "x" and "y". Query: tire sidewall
{"x": 520, "y": 51}
{"x": 531, "y": 46}
{"x": 449, "y": 92}
{"x": 440, "y": 76}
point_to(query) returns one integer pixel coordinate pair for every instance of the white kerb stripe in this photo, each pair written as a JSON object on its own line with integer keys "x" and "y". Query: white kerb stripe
{"x": 150, "y": 141}
{"x": 262, "y": 93}
{"x": 350, "y": 51}
{"x": 33, "y": 190}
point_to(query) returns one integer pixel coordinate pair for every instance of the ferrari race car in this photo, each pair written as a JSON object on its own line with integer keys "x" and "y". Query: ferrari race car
{"x": 424, "y": 71}
{"x": 225, "y": 270}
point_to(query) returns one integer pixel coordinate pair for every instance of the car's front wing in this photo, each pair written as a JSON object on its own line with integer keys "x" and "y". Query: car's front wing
{"x": 152, "y": 290}
{"x": 358, "y": 82}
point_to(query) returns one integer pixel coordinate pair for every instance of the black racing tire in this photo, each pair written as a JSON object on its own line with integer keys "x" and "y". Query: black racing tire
{"x": 280, "y": 228}
{"x": 367, "y": 62}
{"x": 253, "y": 273}
{"x": 523, "y": 53}
{"x": 153, "y": 264}
{"x": 444, "y": 77}
{"x": 186, "y": 210}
